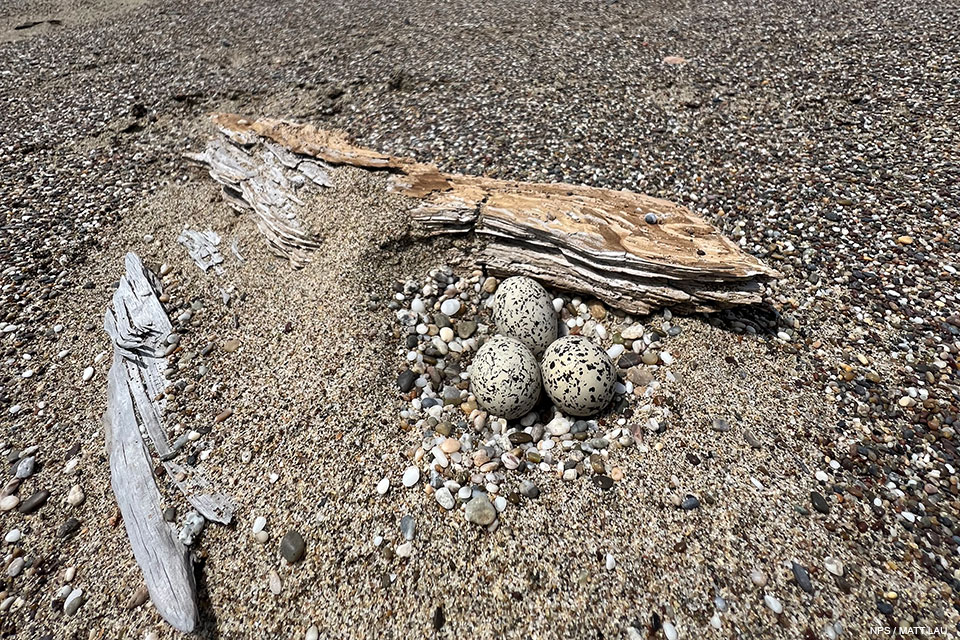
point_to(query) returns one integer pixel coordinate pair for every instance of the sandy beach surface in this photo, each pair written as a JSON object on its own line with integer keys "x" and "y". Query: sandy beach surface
{"x": 815, "y": 432}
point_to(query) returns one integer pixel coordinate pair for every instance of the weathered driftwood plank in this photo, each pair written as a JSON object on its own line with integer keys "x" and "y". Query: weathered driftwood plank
{"x": 139, "y": 326}
{"x": 134, "y": 323}
{"x": 633, "y": 251}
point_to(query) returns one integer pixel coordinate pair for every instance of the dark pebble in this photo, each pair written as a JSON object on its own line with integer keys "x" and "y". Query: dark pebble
{"x": 34, "y": 502}
{"x": 819, "y": 503}
{"x": 68, "y": 528}
{"x": 405, "y": 380}
{"x": 438, "y": 618}
{"x": 802, "y": 576}
{"x": 604, "y": 482}
{"x": 170, "y": 514}
{"x": 520, "y": 437}
{"x": 292, "y": 547}
{"x": 689, "y": 503}
{"x": 885, "y": 607}
{"x": 628, "y": 360}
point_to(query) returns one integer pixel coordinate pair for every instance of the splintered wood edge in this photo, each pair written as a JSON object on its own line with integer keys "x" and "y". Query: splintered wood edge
{"x": 603, "y": 224}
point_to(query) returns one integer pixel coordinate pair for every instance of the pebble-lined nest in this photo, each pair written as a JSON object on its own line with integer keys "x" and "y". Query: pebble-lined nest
{"x": 469, "y": 457}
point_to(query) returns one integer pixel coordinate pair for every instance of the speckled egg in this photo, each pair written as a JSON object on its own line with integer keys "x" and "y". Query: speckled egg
{"x": 578, "y": 375}
{"x": 505, "y": 378}
{"x": 522, "y": 309}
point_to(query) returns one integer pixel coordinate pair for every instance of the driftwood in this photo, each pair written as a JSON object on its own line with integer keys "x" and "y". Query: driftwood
{"x": 264, "y": 179}
{"x": 632, "y": 251}
{"x": 138, "y": 326}
{"x": 202, "y": 247}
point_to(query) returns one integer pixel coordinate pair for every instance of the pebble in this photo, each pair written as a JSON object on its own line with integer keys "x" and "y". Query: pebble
{"x": 833, "y": 565}
{"x": 410, "y": 477}
{"x": 383, "y": 486}
{"x": 405, "y": 550}
{"x": 292, "y": 547}
{"x": 758, "y": 577}
{"x": 13, "y": 536}
{"x": 259, "y": 524}
{"x": 313, "y": 633}
{"x": 15, "y": 567}
{"x": 274, "y": 582}
{"x": 480, "y": 511}
{"x": 25, "y": 468}
{"x": 408, "y": 527}
{"x": 445, "y": 498}
{"x": 34, "y": 502}
{"x": 76, "y": 496}
{"x": 773, "y": 603}
{"x": 9, "y": 502}
{"x": 669, "y": 630}
{"x": 450, "y": 307}
{"x": 73, "y": 602}
{"x": 819, "y": 503}
{"x": 802, "y": 576}
{"x": 87, "y": 374}
{"x": 611, "y": 562}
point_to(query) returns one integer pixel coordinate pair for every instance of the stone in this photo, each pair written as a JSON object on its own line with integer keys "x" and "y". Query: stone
{"x": 73, "y": 602}
{"x": 445, "y": 499}
{"x": 292, "y": 547}
{"x": 689, "y": 503}
{"x": 9, "y": 502}
{"x": 87, "y": 374}
{"x": 833, "y": 566}
{"x": 383, "y": 486}
{"x": 411, "y": 476}
{"x": 276, "y": 586}
{"x": 802, "y": 576}
{"x": 68, "y": 528}
{"x": 408, "y": 527}
{"x": 773, "y": 603}
{"x": 480, "y": 511}
{"x": 529, "y": 489}
{"x": 406, "y": 380}
{"x": 15, "y": 567}
{"x": 34, "y": 502}
{"x": 405, "y": 550}
{"x": 633, "y": 332}
{"x": 603, "y": 482}
{"x": 819, "y": 503}
{"x": 259, "y": 524}
{"x": 76, "y": 496}
{"x": 450, "y": 307}
{"x": 25, "y": 468}
{"x": 13, "y": 536}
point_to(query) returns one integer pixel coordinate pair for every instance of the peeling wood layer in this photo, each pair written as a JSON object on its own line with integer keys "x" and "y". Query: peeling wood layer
{"x": 582, "y": 239}
{"x": 202, "y": 247}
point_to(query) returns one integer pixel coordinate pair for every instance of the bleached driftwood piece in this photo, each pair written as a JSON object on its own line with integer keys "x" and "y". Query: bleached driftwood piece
{"x": 138, "y": 326}
{"x": 264, "y": 179}
{"x": 632, "y": 251}
{"x": 202, "y": 247}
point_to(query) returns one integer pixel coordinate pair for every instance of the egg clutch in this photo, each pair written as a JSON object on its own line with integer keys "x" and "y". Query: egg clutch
{"x": 511, "y": 369}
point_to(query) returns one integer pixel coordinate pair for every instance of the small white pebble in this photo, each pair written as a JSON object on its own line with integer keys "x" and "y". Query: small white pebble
{"x": 87, "y": 374}
{"x": 383, "y": 486}
{"x": 611, "y": 562}
{"x": 773, "y": 603}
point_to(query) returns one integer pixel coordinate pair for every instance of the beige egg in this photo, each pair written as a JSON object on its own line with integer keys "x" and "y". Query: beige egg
{"x": 505, "y": 378}
{"x": 522, "y": 309}
{"x": 578, "y": 376}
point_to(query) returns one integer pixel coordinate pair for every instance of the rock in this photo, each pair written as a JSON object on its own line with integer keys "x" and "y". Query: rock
{"x": 669, "y": 631}
{"x": 76, "y": 496}
{"x": 405, "y": 550}
{"x": 25, "y": 468}
{"x": 137, "y": 598}
{"x": 751, "y": 439}
{"x": 73, "y": 602}
{"x": 480, "y": 511}
{"x": 689, "y": 503}
{"x": 273, "y": 579}
{"x": 466, "y": 328}
{"x": 68, "y": 528}
{"x": 450, "y": 307}
{"x": 773, "y": 603}
{"x": 611, "y": 562}
{"x": 408, "y": 527}
{"x": 604, "y": 482}
{"x": 529, "y": 489}
{"x": 819, "y": 503}
{"x": 383, "y": 486}
{"x": 292, "y": 547}
{"x": 445, "y": 499}
{"x": 13, "y": 536}
{"x": 170, "y": 514}
{"x": 259, "y": 524}
{"x": 633, "y": 332}
{"x": 34, "y": 502}
{"x": 15, "y": 567}
{"x": 833, "y": 566}
{"x": 758, "y": 577}
{"x": 313, "y": 633}
{"x": 719, "y": 424}
{"x": 438, "y": 618}
{"x": 411, "y": 476}
{"x": 87, "y": 374}
{"x": 406, "y": 380}
{"x": 231, "y": 345}
{"x": 628, "y": 360}
{"x": 802, "y": 576}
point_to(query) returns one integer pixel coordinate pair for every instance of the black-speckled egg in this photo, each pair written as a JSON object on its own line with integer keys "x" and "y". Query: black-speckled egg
{"x": 522, "y": 309}
{"x": 578, "y": 375}
{"x": 505, "y": 378}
